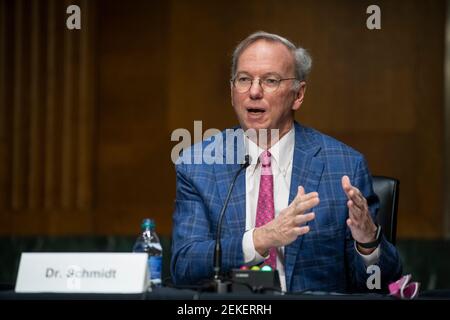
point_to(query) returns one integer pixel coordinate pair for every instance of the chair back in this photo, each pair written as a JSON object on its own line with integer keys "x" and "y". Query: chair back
{"x": 387, "y": 190}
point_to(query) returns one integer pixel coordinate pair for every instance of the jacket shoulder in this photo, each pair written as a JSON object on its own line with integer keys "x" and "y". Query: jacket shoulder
{"x": 332, "y": 146}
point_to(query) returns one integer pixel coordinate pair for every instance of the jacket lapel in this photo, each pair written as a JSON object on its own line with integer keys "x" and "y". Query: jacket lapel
{"x": 307, "y": 172}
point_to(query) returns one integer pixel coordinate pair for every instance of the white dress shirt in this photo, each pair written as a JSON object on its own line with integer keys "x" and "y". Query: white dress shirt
{"x": 281, "y": 163}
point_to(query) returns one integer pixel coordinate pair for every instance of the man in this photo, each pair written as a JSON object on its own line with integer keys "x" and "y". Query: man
{"x": 304, "y": 206}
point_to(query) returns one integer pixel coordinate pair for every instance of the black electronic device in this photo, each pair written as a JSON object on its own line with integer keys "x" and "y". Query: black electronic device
{"x": 255, "y": 281}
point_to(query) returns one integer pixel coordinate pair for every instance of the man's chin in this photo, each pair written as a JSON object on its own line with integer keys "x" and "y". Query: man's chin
{"x": 256, "y": 126}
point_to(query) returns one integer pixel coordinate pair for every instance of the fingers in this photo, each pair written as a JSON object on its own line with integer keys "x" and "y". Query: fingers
{"x": 300, "y": 191}
{"x": 350, "y": 223}
{"x": 298, "y": 197}
{"x": 301, "y": 196}
{"x": 357, "y": 216}
{"x": 353, "y": 193}
{"x": 304, "y": 218}
{"x": 306, "y": 205}
{"x": 301, "y": 230}
{"x": 354, "y": 212}
{"x": 357, "y": 198}
{"x": 357, "y": 201}
{"x": 303, "y": 202}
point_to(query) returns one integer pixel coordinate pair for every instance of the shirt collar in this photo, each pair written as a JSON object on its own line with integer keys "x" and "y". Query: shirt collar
{"x": 282, "y": 152}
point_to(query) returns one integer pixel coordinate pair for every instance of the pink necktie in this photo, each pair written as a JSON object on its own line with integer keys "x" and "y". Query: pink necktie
{"x": 265, "y": 211}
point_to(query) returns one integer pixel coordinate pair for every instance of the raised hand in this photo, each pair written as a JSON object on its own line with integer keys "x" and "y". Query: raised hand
{"x": 288, "y": 225}
{"x": 360, "y": 221}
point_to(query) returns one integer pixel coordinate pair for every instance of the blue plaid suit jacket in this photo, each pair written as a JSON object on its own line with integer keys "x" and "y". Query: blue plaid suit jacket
{"x": 324, "y": 259}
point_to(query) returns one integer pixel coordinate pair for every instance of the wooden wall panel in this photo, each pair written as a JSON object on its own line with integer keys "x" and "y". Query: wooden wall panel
{"x": 134, "y": 175}
{"x": 47, "y": 131}
{"x": 4, "y": 215}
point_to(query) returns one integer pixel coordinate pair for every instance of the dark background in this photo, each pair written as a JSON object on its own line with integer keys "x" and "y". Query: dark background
{"x": 86, "y": 115}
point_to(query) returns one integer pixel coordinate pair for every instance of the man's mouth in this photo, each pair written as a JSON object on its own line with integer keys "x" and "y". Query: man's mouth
{"x": 254, "y": 110}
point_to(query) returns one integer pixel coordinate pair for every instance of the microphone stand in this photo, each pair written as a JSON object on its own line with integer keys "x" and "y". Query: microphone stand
{"x": 220, "y": 285}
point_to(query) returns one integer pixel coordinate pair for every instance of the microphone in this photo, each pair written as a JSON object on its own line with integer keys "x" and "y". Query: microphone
{"x": 220, "y": 286}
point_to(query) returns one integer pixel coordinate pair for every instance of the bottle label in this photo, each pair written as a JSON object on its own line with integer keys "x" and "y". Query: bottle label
{"x": 155, "y": 266}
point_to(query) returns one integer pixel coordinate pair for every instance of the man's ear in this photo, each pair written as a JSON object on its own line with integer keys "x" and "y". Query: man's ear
{"x": 299, "y": 96}
{"x": 231, "y": 94}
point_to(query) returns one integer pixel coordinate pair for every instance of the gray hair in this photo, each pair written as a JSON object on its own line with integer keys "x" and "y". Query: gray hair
{"x": 303, "y": 61}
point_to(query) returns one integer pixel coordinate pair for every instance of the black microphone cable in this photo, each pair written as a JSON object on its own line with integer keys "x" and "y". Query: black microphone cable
{"x": 218, "y": 246}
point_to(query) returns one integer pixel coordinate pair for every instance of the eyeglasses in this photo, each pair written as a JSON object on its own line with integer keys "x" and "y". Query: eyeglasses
{"x": 269, "y": 84}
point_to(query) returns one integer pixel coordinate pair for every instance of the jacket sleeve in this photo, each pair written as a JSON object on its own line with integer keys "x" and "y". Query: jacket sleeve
{"x": 193, "y": 236}
{"x": 389, "y": 261}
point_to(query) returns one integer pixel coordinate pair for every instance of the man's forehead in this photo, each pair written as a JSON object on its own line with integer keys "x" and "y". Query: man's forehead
{"x": 269, "y": 54}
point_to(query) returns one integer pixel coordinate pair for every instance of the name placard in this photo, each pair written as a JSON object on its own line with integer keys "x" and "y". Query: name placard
{"x": 82, "y": 272}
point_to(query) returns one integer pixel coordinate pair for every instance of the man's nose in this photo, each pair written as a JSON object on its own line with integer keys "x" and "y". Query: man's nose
{"x": 256, "y": 91}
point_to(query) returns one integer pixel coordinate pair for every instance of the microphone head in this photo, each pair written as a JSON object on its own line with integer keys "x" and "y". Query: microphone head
{"x": 248, "y": 160}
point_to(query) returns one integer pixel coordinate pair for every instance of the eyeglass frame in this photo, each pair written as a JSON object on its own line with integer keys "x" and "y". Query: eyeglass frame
{"x": 232, "y": 81}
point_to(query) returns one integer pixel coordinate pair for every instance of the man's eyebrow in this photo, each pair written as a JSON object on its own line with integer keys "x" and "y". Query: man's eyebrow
{"x": 242, "y": 72}
{"x": 267, "y": 74}
{"x": 271, "y": 74}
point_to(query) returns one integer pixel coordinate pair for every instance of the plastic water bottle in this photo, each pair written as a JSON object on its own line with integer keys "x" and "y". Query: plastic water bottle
{"x": 149, "y": 242}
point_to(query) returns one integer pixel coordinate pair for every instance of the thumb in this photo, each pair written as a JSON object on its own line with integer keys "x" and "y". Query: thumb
{"x": 346, "y": 185}
{"x": 301, "y": 191}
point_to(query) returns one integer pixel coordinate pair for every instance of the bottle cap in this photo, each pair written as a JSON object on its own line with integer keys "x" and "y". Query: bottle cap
{"x": 148, "y": 224}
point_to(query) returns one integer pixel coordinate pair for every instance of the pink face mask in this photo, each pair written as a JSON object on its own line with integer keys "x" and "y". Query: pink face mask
{"x": 403, "y": 288}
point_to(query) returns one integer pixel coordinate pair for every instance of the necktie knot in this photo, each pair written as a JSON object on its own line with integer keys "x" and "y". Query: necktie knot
{"x": 265, "y": 158}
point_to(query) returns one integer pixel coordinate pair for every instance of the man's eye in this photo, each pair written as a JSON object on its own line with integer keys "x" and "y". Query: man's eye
{"x": 271, "y": 81}
{"x": 244, "y": 79}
